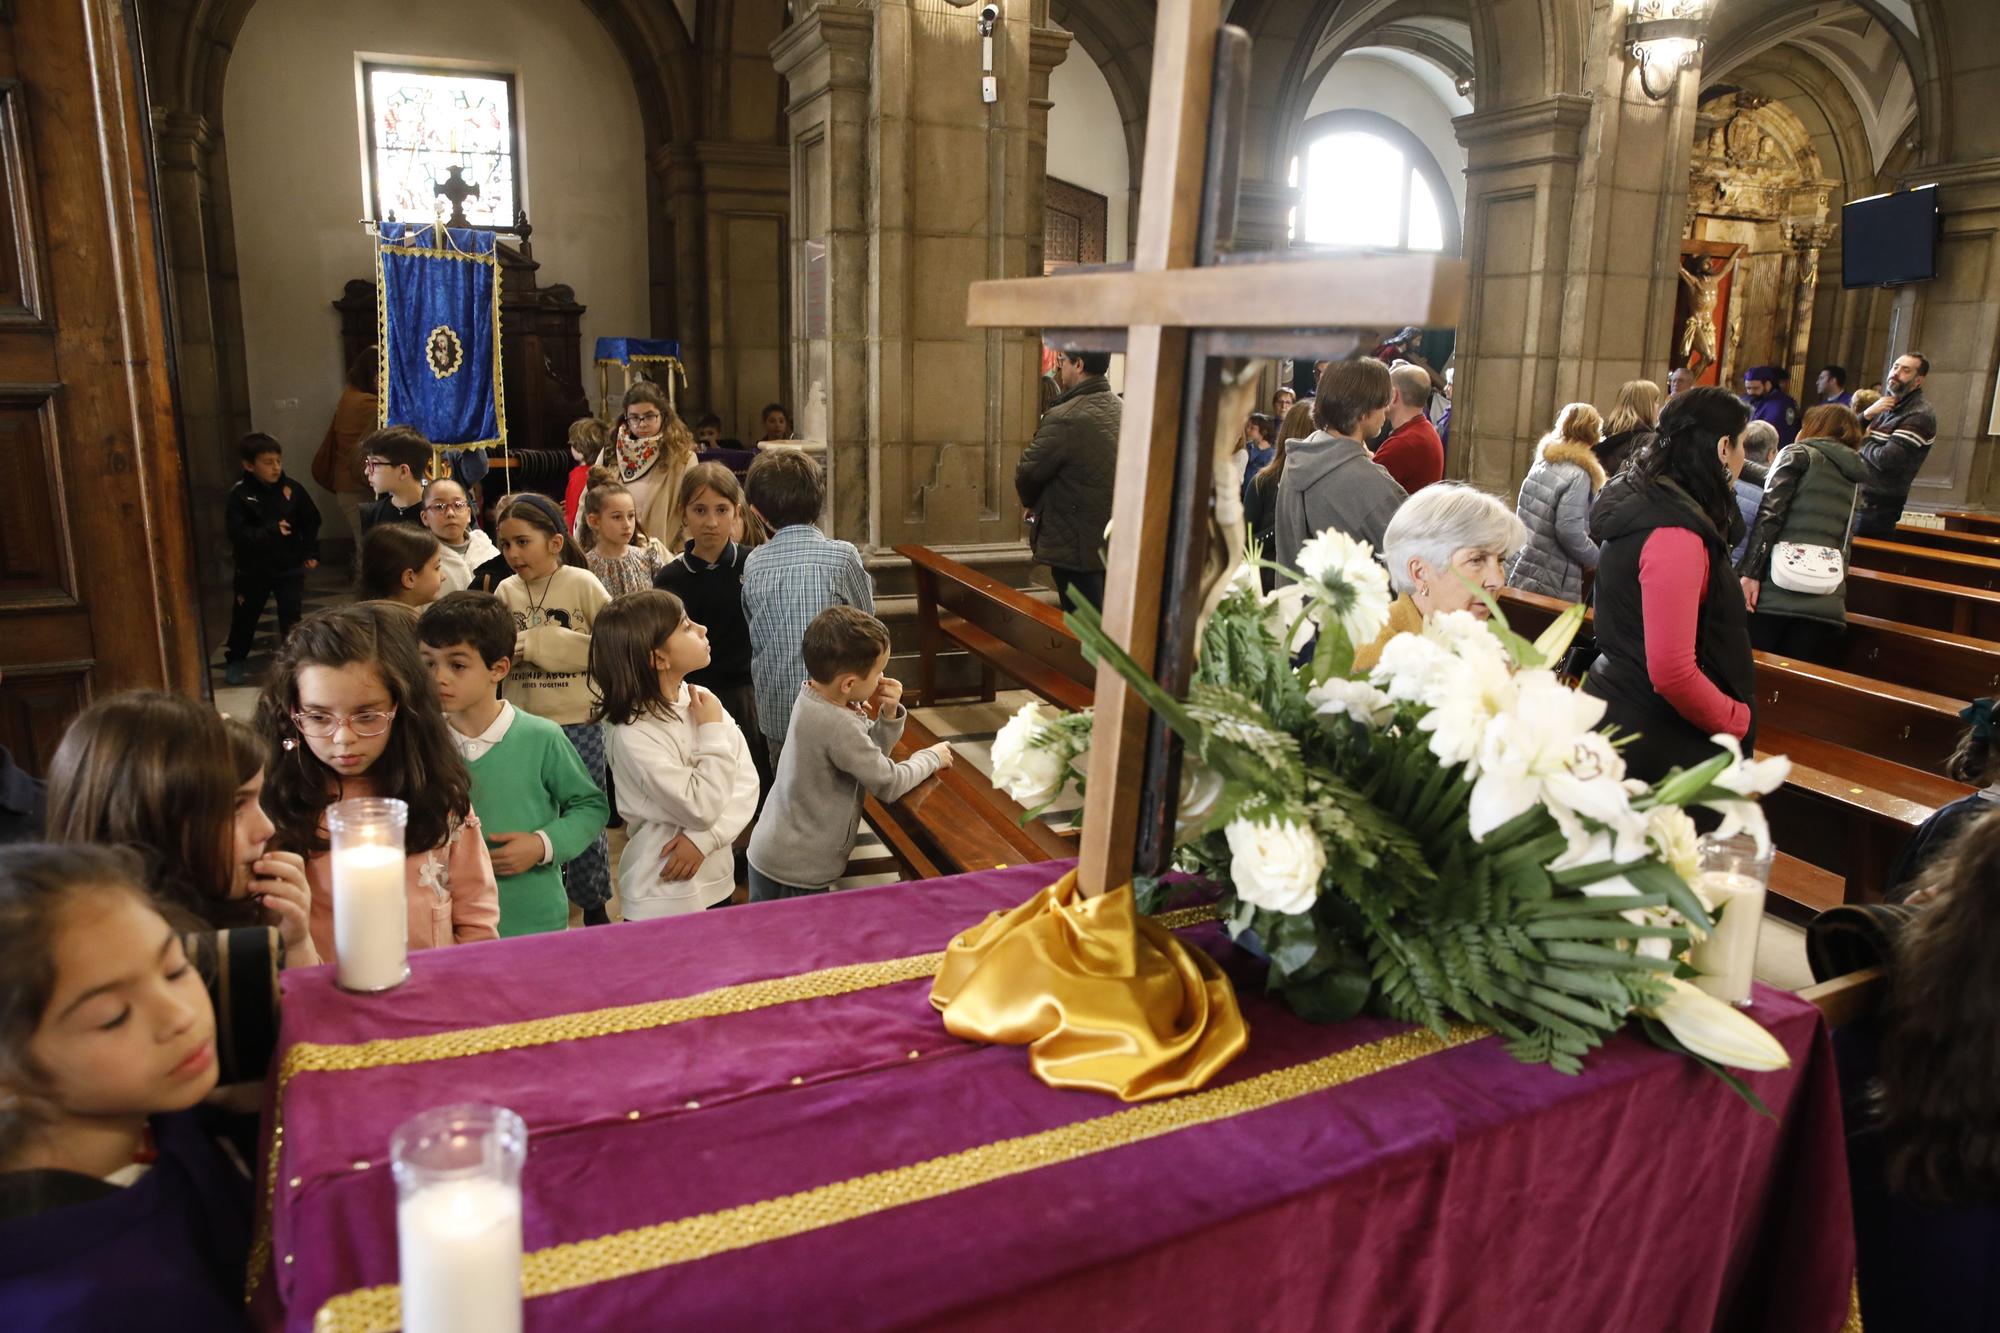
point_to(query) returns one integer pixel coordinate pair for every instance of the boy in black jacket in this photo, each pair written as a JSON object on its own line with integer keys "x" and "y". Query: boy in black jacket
{"x": 274, "y": 531}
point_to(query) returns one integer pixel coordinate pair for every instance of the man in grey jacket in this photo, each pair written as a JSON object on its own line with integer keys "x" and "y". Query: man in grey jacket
{"x": 1329, "y": 479}
{"x": 1065, "y": 475}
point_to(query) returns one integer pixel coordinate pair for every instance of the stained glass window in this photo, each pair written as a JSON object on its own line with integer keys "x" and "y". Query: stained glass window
{"x": 423, "y": 122}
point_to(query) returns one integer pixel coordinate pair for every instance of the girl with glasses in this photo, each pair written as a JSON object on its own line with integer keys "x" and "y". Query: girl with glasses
{"x": 350, "y": 711}
{"x": 652, "y": 452}
{"x": 471, "y": 560}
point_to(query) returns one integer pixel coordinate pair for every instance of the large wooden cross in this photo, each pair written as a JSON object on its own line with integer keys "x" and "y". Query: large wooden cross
{"x": 1179, "y": 311}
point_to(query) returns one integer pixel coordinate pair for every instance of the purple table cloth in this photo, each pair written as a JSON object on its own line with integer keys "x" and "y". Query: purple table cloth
{"x": 1347, "y": 1177}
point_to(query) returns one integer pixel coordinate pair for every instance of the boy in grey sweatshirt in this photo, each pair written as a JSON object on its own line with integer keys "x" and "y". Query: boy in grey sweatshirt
{"x": 847, "y": 719}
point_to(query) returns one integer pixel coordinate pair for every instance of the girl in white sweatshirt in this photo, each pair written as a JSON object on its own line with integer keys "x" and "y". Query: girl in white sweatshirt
{"x": 685, "y": 782}
{"x": 470, "y": 559}
{"x": 555, "y": 601}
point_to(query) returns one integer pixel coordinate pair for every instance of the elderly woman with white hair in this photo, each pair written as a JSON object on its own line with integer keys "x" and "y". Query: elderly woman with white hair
{"x": 1445, "y": 545}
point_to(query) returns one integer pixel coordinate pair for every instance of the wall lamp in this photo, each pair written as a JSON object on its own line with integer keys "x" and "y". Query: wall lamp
{"x": 1664, "y": 35}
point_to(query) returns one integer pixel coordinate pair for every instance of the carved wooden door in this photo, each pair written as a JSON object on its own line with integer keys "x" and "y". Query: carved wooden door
{"x": 96, "y": 586}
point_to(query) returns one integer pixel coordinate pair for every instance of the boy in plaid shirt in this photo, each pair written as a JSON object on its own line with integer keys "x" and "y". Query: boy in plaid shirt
{"x": 789, "y": 580}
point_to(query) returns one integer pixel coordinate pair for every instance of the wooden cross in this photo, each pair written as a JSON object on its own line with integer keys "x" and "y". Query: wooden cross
{"x": 455, "y": 188}
{"x": 1176, "y": 314}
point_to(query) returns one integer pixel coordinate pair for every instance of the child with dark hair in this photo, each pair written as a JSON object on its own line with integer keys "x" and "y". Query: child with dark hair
{"x": 777, "y": 422}
{"x": 554, "y": 600}
{"x": 400, "y": 563}
{"x": 470, "y": 559}
{"x": 848, "y": 718}
{"x": 274, "y": 535}
{"x": 707, "y": 431}
{"x": 117, "y": 1208}
{"x": 1974, "y": 763}
{"x": 685, "y": 782}
{"x": 349, "y": 711}
{"x": 790, "y": 579}
{"x": 589, "y": 447}
{"x": 1922, "y": 1095}
{"x": 537, "y": 801}
{"x": 396, "y": 459}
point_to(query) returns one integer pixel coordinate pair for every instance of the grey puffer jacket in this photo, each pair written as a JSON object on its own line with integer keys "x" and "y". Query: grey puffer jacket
{"x": 1555, "y": 505}
{"x": 1065, "y": 474}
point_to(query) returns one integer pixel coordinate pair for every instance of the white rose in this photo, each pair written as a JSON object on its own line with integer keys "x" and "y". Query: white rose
{"x": 1352, "y": 698}
{"x": 1031, "y": 773}
{"x": 1275, "y": 864}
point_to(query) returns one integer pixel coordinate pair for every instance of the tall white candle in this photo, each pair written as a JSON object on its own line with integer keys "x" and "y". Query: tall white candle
{"x": 371, "y": 916}
{"x": 458, "y": 1245}
{"x": 1728, "y": 957}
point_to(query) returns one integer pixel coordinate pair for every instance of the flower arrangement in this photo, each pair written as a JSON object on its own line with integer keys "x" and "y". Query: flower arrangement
{"x": 1445, "y": 838}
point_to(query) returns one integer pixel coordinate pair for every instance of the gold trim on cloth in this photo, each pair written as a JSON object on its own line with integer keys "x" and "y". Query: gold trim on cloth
{"x": 567, "y": 1267}
{"x": 1102, "y": 997}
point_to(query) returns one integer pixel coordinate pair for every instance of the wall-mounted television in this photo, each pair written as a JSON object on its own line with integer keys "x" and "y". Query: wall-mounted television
{"x": 1887, "y": 239}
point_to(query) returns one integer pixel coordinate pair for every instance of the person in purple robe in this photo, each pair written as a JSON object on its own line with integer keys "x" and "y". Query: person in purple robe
{"x": 118, "y": 1210}
{"x": 1769, "y": 402}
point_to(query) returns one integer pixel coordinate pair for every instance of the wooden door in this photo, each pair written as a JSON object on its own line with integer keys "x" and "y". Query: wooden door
{"x": 96, "y": 579}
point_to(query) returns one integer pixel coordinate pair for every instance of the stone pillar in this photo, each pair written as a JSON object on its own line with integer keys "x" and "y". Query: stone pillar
{"x": 1575, "y": 206}
{"x": 206, "y": 326}
{"x": 906, "y": 189}
{"x": 1955, "y": 321}
{"x": 1807, "y": 240}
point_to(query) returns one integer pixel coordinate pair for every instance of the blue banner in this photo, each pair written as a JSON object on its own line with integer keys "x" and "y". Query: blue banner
{"x": 438, "y": 304}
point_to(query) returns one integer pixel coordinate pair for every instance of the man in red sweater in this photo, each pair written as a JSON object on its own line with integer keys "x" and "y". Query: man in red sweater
{"x": 1413, "y": 454}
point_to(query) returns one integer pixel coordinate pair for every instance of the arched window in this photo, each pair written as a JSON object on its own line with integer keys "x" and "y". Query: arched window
{"x": 1364, "y": 180}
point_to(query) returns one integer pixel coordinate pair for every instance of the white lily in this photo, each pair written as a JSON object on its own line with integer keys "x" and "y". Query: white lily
{"x": 1717, "y": 1030}
{"x": 1201, "y": 789}
{"x": 1542, "y": 751}
{"x": 1749, "y": 778}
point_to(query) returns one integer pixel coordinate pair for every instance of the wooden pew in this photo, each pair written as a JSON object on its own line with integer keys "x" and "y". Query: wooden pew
{"x": 1944, "y": 539}
{"x": 1969, "y": 571}
{"x": 1006, "y": 630}
{"x": 1956, "y": 665}
{"x": 1849, "y": 999}
{"x": 1970, "y": 520}
{"x": 958, "y": 821}
{"x": 1925, "y": 603}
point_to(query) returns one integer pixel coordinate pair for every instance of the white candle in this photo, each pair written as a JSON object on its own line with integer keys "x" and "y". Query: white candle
{"x": 1728, "y": 957}
{"x": 458, "y": 1245}
{"x": 371, "y": 917}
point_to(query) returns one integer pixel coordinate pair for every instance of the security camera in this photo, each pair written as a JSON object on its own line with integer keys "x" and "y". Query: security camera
{"x": 988, "y": 16}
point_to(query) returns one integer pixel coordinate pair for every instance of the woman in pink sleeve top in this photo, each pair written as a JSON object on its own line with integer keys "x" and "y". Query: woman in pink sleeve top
{"x": 1673, "y": 633}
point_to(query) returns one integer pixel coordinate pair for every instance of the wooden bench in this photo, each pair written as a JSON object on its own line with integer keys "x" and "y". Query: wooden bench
{"x": 1919, "y": 562}
{"x": 1970, "y": 520}
{"x": 1924, "y": 603}
{"x": 1851, "y": 998}
{"x": 1005, "y": 630}
{"x": 1945, "y": 539}
{"x": 1955, "y": 665}
{"x": 958, "y": 821}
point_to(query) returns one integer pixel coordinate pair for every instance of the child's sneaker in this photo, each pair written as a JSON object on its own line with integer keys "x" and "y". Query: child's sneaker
{"x": 232, "y": 674}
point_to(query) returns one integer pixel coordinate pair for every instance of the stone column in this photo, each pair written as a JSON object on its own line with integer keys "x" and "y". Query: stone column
{"x": 1955, "y": 321}
{"x": 1807, "y": 240}
{"x": 1575, "y": 205}
{"x": 206, "y": 325}
{"x": 906, "y": 189}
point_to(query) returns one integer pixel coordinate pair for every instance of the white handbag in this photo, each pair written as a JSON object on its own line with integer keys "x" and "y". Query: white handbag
{"x": 1803, "y": 568}
{"x": 1814, "y": 570}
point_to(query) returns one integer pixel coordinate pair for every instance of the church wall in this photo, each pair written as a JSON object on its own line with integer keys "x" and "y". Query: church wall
{"x": 1087, "y": 146}
{"x": 291, "y": 121}
{"x": 1372, "y": 84}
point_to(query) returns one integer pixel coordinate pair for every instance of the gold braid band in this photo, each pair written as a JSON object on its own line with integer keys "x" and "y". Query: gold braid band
{"x": 567, "y": 1267}
{"x": 461, "y": 1043}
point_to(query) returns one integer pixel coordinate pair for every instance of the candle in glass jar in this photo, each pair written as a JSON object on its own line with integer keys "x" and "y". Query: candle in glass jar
{"x": 1728, "y": 957}
{"x": 371, "y": 922}
{"x": 458, "y": 1246}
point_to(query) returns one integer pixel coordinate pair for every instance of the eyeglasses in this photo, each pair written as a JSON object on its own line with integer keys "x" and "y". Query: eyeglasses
{"x": 320, "y": 724}
{"x": 640, "y": 418}
{"x": 447, "y": 507}
{"x": 370, "y": 464}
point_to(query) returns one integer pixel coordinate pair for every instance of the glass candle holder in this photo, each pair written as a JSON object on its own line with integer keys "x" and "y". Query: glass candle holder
{"x": 371, "y": 914}
{"x": 458, "y": 1219}
{"x": 1734, "y": 876}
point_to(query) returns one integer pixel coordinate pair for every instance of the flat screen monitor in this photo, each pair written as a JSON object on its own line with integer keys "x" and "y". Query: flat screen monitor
{"x": 1889, "y": 239}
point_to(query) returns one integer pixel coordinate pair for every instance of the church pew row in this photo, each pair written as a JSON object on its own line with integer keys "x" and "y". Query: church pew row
{"x": 1970, "y": 520}
{"x": 1920, "y": 562}
{"x": 1925, "y": 604}
{"x": 1006, "y": 630}
{"x": 1944, "y": 539}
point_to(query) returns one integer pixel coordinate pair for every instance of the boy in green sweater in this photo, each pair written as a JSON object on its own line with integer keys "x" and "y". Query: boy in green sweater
{"x": 534, "y": 798}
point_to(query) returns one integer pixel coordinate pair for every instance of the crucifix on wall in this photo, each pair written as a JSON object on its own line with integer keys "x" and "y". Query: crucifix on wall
{"x": 1185, "y": 316}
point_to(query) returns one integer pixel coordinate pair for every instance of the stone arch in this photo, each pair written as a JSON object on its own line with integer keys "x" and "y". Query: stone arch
{"x": 1117, "y": 35}
{"x": 1435, "y": 31}
{"x": 1416, "y": 154}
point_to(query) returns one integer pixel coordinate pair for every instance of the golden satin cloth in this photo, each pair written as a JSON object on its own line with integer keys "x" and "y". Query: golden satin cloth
{"x": 1102, "y": 997}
